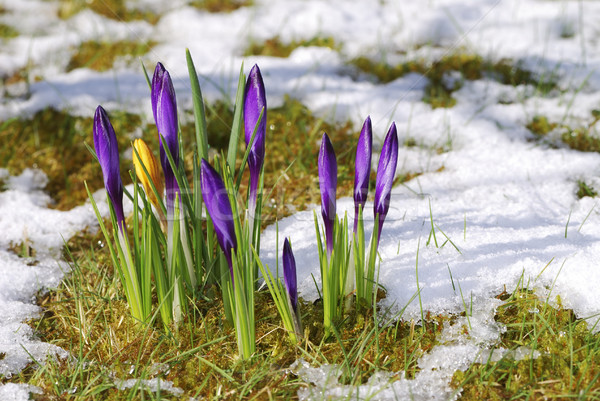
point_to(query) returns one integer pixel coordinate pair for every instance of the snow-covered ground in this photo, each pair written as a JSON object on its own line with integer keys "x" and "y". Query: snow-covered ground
{"x": 506, "y": 201}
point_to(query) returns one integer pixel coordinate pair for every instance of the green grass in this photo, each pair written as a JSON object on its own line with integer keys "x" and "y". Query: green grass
{"x": 275, "y": 47}
{"x": 101, "y": 56}
{"x": 113, "y": 9}
{"x": 87, "y": 316}
{"x": 8, "y": 32}
{"x": 438, "y": 92}
{"x": 583, "y": 138}
{"x": 584, "y": 189}
{"x": 220, "y": 6}
{"x": 568, "y": 365}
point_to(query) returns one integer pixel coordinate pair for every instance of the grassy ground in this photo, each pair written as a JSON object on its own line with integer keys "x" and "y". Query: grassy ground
{"x": 87, "y": 314}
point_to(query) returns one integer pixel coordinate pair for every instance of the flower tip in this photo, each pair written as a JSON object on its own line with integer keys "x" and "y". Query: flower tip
{"x": 289, "y": 273}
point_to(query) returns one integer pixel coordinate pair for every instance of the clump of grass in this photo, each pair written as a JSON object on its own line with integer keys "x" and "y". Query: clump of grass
{"x": 88, "y": 317}
{"x": 582, "y": 138}
{"x": 567, "y": 362}
{"x": 220, "y": 6}
{"x": 113, "y": 9}
{"x": 583, "y": 190}
{"x": 540, "y": 125}
{"x": 274, "y": 47}
{"x": 438, "y": 92}
{"x": 7, "y": 31}
{"x": 54, "y": 142}
{"x": 101, "y": 56}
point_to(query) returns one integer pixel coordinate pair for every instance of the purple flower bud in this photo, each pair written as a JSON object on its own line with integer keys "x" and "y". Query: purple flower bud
{"x": 328, "y": 186}
{"x": 164, "y": 108}
{"x": 255, "y": 102}
{"x": 105, "y": 142}
{"x": 362, "y": 168}
{"x": 218, "y": 207}
{"x": 386, "y": 171}
{"x": 289, "y": 274}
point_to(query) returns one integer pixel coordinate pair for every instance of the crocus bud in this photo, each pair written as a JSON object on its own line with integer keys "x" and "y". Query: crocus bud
{"x": 362, "y": 168}
{"x": 328, "y": 186}
{"x": 145, "y": 158}
{"x": 105, "y": 143}
{"x": 289, "y": 274}
{"x": 164, "y": 108}
{"x": 219, "y": 209}
{"x": 255, "y": 102}
{"x": 386, "y": 171}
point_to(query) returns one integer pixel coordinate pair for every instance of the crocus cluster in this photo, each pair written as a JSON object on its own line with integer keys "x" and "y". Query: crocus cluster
{"x": 173, "y": 248}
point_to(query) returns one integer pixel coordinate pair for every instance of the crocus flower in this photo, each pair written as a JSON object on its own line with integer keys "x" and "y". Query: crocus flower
{"x": 289, "y": 274}
{"x": 362, "y": 168}
{"x": 386, "y": 170}
{"x": 218, "y": 207}
{"x": 145, "y": 158}
{"x": 105, "y": 142}
{"x": 255, "y": 102}
{"x": 328, "y": 186}
{"x": 164, "y": 108}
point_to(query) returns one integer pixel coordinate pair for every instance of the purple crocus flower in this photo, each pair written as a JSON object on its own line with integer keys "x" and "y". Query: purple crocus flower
{"x": 105, "y": 142}
{"x": 164, "y": 108}
{"x": 218, "y": 207}
{"x": 328, "y": 186}
{"x": 362, "y": 168}
{"x": 255, "y": 102}
{"x": 289, "y": 274}
{"x": 386, "y": 170}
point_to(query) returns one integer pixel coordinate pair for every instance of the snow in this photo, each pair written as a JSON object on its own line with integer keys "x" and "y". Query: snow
{"x": 504, "y": 199}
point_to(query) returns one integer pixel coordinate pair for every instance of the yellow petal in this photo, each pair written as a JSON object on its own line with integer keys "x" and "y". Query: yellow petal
{"x": 146, "y": 158}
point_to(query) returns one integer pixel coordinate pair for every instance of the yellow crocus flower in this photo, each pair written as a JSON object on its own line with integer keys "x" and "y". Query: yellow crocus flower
{"x": 146, "y": 158}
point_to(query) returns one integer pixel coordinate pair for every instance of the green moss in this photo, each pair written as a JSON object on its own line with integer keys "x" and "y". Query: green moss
{"x": 88, "y": 317}
{"x": 540, "y": 125}
{"x": 583, "y": 189}
{"x": 582, "y": 138}
{"x": 274, "y": 47}
{"x": 101, "y": 56}
{"x": 54, "y": 142}
{"x": 220, "y": 6}
{"x": 113, "y": 9}
{"x": 7, "y": 31}
{"x": 438, "y": 92}
{"x": 568, "y": 362}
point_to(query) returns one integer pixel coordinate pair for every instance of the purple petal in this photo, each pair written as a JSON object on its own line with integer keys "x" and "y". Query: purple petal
{"x": 328, "y": 186}
{"x": 255, "y": 102}
{"x": 164, "y": 108}
{"x": 218, "y": 207}
{"x": 386, "y": 171}
{"x": 362, "y": 168}
{"x": 105, "y": 142}
{"x": 289, "y": 273}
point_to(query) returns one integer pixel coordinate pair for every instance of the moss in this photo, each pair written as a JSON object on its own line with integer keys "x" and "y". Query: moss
{"x": 438, "y": 92}
{"x": 583, "y": 189}
{"x": 7, "y": 31}
{"x": 220, "y": 6}
{"x": 582, "y": 138}
{"x": 113, "y": 9}
{"x": 540, "y": 125}
{"x": 88, "y": 317}
{"x": 568, "y": 362}
{"x": 274, "y": 47}
{"x": 101, "y": 56}
{"x": 54, "y": 141}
